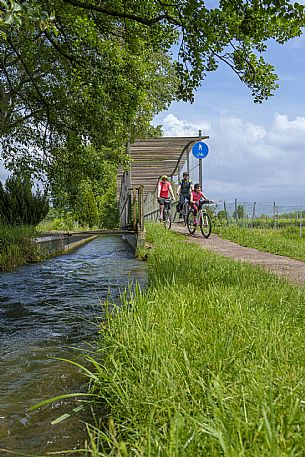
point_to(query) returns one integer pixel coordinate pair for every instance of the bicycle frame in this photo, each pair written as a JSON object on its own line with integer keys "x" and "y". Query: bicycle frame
{"x": 204, "y": 220}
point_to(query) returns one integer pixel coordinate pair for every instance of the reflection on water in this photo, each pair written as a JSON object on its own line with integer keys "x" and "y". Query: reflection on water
{"x": 47, "y": 309}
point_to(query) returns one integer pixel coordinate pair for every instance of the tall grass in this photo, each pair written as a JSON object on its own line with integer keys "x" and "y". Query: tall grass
{"x": 208, "y": 361}
{"x": 286, "y": 241}
{"x": 16, "y": 246}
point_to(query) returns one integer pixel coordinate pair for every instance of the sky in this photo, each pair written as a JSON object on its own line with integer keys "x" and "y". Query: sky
{"x": 256, "y": 151}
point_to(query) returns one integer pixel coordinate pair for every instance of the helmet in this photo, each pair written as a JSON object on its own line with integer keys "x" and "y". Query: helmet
{"x": 197, "y": 185}
{"x": 186, "y": 173}
{"x": 164, "y": 178}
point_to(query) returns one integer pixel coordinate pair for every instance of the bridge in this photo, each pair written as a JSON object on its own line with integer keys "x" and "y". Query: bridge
{"x": 149, "y": 159}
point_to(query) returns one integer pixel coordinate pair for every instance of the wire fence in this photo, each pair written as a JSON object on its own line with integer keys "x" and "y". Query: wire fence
{"x": 261, "y": 214}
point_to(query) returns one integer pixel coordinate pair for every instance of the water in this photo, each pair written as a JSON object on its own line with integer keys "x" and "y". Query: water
{"x": 46, "y": 310}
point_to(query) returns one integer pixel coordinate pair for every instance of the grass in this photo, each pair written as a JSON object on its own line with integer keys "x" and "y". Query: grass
{"x": 286, "y": 241}
{"x": 16, "y": 247}
{"x": 208, "y": 361}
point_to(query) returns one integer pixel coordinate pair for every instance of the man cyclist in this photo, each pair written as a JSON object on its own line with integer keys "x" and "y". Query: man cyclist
{"x": 165, "y": 190}
{"x": 184, "y": 189}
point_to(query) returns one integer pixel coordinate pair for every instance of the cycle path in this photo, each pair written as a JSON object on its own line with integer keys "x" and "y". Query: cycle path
{"x": 293, "y": 270}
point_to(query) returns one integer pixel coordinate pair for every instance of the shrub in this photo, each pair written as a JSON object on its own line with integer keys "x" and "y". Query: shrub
{"x": 19, "y": 205}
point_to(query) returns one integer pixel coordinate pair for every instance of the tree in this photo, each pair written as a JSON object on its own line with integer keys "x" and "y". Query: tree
{"x": 93, "y": 72}
{"x": 86, "y": 209}
{"x": 75, "y": 78}
{"x": 19, "y": 204}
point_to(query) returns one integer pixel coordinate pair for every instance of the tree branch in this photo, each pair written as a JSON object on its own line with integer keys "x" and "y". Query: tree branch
{"x": 71, "y": 59}
{"x": 30, "y": 76}
{"x": 122, "y": 15}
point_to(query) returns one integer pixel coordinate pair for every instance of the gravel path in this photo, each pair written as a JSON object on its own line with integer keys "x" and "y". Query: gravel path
{"x": 294, "y": 270}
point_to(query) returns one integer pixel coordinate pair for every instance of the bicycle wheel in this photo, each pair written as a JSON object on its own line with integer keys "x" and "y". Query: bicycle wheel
{"x": 190, "y": 222}
{"x": 185, "y": 213}
{"x": 176, "y": 215}
{"x": 167, "y": 219}
{"x": 205, "y": 224}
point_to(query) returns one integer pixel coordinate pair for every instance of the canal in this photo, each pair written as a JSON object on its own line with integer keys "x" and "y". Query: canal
{"x": 51, "y": 310}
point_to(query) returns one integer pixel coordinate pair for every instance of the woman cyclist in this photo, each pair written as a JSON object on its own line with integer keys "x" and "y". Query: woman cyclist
{"x": 165, "y": 191}
{"x": 197, "y": 197}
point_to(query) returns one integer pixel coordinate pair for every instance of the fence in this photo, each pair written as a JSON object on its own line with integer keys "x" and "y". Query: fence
{"x": 261, "y": 214}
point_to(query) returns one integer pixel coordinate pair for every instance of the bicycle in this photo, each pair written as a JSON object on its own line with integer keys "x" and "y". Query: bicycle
{"x": 184, "y": 211}
{"x": 167, "y": 214}
{"x": 204, "y": 220}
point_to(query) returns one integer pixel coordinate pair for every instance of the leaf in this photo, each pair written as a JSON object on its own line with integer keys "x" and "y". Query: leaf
{"x": 60, "y": 397}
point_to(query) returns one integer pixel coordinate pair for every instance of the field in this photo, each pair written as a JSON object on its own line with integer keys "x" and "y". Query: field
{"x": 208, "y": 361}
{"x": 285, "y": 241}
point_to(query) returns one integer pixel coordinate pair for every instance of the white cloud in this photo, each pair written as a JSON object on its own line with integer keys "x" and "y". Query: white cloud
{"x": 248, "y": 160}
{"x": 176, "y": 127}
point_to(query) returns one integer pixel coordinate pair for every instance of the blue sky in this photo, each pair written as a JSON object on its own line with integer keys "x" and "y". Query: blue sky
{"x": 256, "y": 151}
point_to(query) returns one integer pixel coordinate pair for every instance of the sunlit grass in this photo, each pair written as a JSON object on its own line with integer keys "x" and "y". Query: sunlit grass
{"x": 286, "y": 242}
{"x": 208, "y": 361}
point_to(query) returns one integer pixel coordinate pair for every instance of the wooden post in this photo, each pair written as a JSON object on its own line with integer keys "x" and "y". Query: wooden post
{"x": 134, "y": 208}
{"x": 141, "y": 208}
{"x": 301, "y": 220}
{"x": 188, "y": 161}
{"x": 274, "y": 222}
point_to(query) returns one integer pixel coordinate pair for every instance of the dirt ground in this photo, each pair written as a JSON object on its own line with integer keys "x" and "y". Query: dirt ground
{"x": 293, "y": 270}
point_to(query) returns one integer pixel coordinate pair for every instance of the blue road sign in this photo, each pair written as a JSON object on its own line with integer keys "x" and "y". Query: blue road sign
{"x": 200, "y": 150}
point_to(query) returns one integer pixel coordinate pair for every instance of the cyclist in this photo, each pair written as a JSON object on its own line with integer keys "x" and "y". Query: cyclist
{"x": 185, "y": 187}
{"x": 196, "y": 199}
{"x": 165, "y": 190}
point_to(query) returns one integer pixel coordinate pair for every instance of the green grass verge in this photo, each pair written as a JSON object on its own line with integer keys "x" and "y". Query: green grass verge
{"x": 286, "y": 242}
{"x": 209, "y": 361}
{"x": 16, "y": 246}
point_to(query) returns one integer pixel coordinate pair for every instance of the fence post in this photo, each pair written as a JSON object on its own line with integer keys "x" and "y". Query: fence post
{"x": 253, "y": 213}
{"x": 236, "y": 214}
{"x": 274, "y": 221}
{"x": 225, "y": 209}
{"x": 301, "y": 220}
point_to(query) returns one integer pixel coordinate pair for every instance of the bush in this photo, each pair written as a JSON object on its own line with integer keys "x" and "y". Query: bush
{"x": 19, "y": 205}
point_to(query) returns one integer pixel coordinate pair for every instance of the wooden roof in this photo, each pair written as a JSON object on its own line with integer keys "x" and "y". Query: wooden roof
{"x": 153, "y": 157}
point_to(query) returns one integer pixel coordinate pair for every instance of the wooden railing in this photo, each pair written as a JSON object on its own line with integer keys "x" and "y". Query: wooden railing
{"x": 131, "y": 205}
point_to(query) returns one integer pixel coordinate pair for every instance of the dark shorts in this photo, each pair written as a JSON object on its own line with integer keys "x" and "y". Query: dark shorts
{"x": 164, "y": 201}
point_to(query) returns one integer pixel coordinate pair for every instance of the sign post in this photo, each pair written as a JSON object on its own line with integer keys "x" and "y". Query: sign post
{"x": 200, "y": 150}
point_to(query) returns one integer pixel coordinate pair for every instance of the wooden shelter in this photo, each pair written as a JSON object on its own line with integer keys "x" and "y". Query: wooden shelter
{"x": 150, "y": 159}
{"x": 153, "y": 157}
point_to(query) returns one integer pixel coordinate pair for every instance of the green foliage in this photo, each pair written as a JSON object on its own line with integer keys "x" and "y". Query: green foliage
{"x": 240, "y": 212}
{"x": 68, "y": 172}
{"x": 19, "y": 205}
{"x": 108, "y": 208}
{"x": 96, "y": 73}
{"x": 86, "y": 210}
{"x": 16, "y": 246}
{"x": 206, "y": 361}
